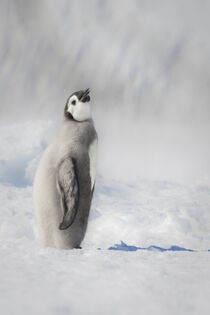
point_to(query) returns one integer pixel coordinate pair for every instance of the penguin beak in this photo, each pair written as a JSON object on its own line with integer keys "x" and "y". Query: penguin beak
{"x": 85, "y": 96}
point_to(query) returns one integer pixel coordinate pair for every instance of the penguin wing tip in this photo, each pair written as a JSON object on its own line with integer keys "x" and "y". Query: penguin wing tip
{"x": 62, "y": 226}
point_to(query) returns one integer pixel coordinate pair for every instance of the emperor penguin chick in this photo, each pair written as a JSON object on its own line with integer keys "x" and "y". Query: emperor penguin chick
{"x": 65, "y": 178}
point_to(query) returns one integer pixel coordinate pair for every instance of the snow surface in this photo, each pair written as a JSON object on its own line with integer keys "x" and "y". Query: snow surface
{"x": 134, "y": 258}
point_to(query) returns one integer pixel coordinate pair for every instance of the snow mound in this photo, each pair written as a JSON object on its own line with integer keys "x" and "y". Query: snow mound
{"x": 21, "y": 147}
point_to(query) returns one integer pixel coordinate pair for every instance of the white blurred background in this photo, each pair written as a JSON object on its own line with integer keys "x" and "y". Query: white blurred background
{"x": 147, "y": 65}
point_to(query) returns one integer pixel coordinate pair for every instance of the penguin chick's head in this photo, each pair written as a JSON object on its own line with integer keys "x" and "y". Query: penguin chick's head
{"x": 78, "y": 106}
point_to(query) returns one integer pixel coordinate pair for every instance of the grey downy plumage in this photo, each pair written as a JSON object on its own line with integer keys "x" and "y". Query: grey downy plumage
{"x": 65, "y": 177}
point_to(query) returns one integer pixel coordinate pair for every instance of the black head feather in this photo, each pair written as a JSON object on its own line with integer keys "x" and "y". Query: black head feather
{"x": 82, "y": 95}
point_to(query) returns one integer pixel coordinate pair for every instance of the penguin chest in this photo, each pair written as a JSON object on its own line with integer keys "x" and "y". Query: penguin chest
{"x": 92, "y": 152}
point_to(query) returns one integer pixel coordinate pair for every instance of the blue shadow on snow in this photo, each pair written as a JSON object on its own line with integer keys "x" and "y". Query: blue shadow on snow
{"x": 129, "y": 248}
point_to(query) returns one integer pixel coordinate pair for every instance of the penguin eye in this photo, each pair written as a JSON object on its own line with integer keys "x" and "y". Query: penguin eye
{"x": 73, "y": 102}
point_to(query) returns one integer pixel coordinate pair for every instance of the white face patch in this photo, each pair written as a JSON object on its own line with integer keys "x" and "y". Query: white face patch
{"x": 93, "y": 161}
{"x": 79, "y": 110}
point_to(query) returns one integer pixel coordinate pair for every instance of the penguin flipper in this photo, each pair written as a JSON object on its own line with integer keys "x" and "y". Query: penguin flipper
{"x": 68, "y": 188}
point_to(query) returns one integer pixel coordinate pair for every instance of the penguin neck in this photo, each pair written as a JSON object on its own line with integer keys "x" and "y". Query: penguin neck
{"x": 70, "y": 119}
{"x": 72, "y": 131}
